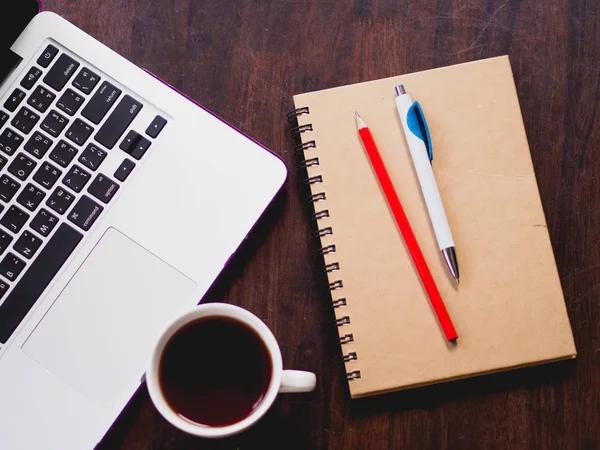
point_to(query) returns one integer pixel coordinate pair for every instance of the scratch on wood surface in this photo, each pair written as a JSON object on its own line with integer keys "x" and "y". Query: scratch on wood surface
{"x": 540, "y": 63}
{"x": 579, "y": 299}
{"x": 578, "y": 272}
{"x": 500, "y": 175}
{"x": 292, "y": 325}
{"x": 485, "y": 27}
{"x": 498, "y": 42}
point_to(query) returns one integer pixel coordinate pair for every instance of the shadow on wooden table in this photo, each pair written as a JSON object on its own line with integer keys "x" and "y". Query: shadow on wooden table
{"x": 481, "y": 386}
{"x": 274, "y": 431}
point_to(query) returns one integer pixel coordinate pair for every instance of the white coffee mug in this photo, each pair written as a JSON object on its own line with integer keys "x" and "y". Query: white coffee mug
{"x": 281, "y": 380}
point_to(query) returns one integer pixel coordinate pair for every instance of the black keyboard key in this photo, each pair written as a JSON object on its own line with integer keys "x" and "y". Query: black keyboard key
{"x": 11, "y": 267}
{"x": 54, "y": 123}
{"x": 63, "y": 153}
{"x": 135, "y": 145}
{"x": 10, "y": 141}
{"x": 101, "y": 102}
{"x": 3, "y": 118}
{"x": 25, "y": 120}
{"x": 104, "y": 98}
{"x": 129, "y": 141}
{"x": 46, "y": 58}
{"x": 118, "y": 122}
{"x": 27, "y": 244}
{"x": 44, "y": 222}
{"x": 103, "y": 188}
{"x": 30, "y": 79}
{"x": 31, "y": 197}
{"x": 41, "y": 99}
{"x": 70, "y": 102}
{"x": 36, "y": 279}
{"x": 38, "y": 145}
{"x": 8, "y": 188}
{"x": 79, "y": 132}
{"x": 3, "y": 288}
{"x": 14, "y": 219}
{"x": 62, "y": 70}
{"x": 5, "y": 240}
{"x": 60, "y": 200}
{"x": 156, "y": 126}
{"x": 140, "y": 148}
{"x": 14, "y": 100}
{"x": 3, "y": 162}
{"x": 76, "y": 179}
{"x": 22, "y": 166}
{"x": 85, "y": 212}
{"x": 86, "y": 80}
{"x": 92, "y": 157}
{"x": 46, "y": 175}
{"x": 124, "y": 170}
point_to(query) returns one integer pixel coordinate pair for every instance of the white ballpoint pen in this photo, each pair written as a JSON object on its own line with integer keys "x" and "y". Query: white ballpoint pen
{"x": 419, "y": 144}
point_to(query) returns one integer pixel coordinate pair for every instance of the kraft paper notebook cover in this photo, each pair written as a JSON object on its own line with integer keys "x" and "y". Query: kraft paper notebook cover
{"x": 509, "y": 308}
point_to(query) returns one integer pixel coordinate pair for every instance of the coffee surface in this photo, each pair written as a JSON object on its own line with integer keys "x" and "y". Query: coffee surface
{"x": 215, "y": 371}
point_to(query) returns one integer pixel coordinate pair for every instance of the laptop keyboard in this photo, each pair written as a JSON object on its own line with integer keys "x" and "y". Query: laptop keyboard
{"x": 57, "y": 126}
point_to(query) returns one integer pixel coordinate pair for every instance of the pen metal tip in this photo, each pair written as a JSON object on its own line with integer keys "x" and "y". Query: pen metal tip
{"x": 450, "y": 257}
{"x": 400, "y": 89}
{"x": 356, "y": 114}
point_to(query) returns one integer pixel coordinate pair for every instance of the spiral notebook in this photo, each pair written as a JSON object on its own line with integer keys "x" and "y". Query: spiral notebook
{"x": 509, "y": 308}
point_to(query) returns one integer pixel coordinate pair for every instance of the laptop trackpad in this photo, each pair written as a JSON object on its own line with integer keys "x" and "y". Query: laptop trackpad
{"x": 99, "y": 333}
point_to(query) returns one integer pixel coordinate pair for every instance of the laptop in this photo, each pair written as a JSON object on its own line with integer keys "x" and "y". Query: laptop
{"x": 120, "y": 203}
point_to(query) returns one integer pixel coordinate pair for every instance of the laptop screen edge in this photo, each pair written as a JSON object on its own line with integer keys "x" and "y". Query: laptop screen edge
{"x": 19, "y": 14}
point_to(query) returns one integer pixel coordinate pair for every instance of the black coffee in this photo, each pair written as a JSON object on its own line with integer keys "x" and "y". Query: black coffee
{"x": 215, "y": 371}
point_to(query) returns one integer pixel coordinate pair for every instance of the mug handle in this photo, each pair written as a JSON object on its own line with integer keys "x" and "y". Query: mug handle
{"x": 297, "y": 381}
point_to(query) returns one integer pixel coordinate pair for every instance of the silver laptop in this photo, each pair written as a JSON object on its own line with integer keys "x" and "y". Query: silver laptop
{"x": 121, "y": 201}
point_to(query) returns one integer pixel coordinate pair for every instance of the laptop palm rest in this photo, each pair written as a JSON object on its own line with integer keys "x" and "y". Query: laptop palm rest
{"x": 98, "y": 335}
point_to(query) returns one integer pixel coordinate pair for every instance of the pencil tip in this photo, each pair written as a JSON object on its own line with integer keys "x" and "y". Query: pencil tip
{"x": 360, "y": 124}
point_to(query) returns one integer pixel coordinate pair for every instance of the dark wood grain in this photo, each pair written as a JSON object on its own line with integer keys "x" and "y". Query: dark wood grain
{"x": 244, "y": 60}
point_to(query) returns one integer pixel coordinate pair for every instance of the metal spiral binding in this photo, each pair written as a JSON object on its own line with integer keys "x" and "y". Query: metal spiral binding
{"x": 292, "y": 115}
{"x": 305, "y": 146}
{"x": 350, "y": 357}
{"x": 309, "y": 162}
{"x": 331, "y": 267}
{"x": 339, "y": 303}
{"x": 296, "y": 131}
{"x": 336, "y": 285}
{"x": 327, "y": 249}
{"x": 345, "y": 320}
{"x": 346, "y": 338}
{"x": 317, "y": 197}
{"x": 354, "y": 375}
{"x": 321, "y": 214}
{"x": 323, "y": 231}
{"x": 313, "y": 180}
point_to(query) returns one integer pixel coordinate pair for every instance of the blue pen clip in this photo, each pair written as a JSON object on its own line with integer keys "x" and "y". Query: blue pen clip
{"x": 415, "y": 119}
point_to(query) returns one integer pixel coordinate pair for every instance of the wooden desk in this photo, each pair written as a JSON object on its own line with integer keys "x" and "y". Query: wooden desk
{"x": 244, "y": 60}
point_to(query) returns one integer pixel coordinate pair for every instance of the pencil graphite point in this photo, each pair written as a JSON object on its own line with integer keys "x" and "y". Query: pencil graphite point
{"x": 359, "y": 122}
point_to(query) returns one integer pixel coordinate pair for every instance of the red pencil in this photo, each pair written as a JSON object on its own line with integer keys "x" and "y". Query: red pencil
{"x": 405, "y": 229}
